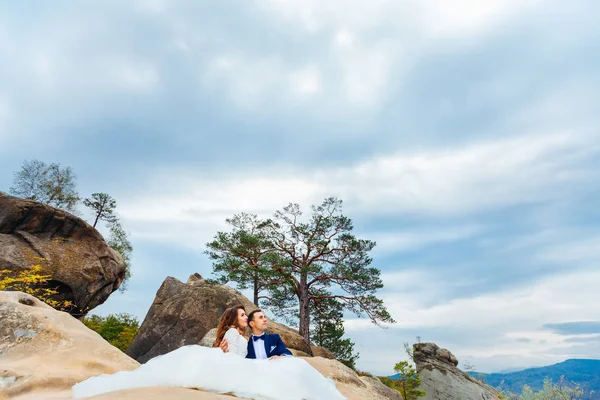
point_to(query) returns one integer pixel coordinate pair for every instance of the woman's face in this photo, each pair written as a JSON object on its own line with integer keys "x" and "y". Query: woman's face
{"x": 242, "y": 318}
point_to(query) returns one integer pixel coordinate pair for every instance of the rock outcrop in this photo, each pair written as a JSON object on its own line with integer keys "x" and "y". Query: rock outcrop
{"x": 322, "y": 352}
{"x": 183, "y": 313}
{"x": 47, "y": 351}
{"x": 350, "y": 384}
{"x": 44, "y": 352}
{"x": 442, "y": 380}
{"x": 82, "y": 266}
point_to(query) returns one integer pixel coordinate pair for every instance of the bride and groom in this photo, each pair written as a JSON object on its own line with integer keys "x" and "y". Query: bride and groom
{"x": 230, "y": 335}
{"x": 261, "y": 368}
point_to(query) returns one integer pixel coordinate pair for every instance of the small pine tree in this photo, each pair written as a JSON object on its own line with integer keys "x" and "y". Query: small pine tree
{"x": 103, "y": 206}
{"x": 407, "y": 383}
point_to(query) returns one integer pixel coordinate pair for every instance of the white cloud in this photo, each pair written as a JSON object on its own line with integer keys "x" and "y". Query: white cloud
{"x": 426, "y": 18}
{"x": 365, "y": 71}
{"x": 474, "y": 178}
{"x": 151, "y": 6}
{"x": 198, "y": 207}
{"x": 249, "y": 81}
{"x": 6, "y": 111}
{"x": 306, "y": 81}
{"x": 7, "y": 118}
{"x": 398, "y": 241}
{"x": 468, "y": 17}
{"x": 365, "y": 63}
{"x": 344, "y": 38}
{"x": 496, "y": 330}
{"x": 45, "y": 69}
{"x": 585, "y": 250}
{"x": 136, "y": 76}
{"x": 453, "y": 182}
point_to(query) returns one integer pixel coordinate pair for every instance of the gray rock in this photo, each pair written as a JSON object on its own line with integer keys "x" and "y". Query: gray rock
{"x": 81, "y": 265}
{"x": 319, "y": 351}
{"x": 209, "y": 338}
{"x": 442, "y": 380}
{"x": 183, "y": 313}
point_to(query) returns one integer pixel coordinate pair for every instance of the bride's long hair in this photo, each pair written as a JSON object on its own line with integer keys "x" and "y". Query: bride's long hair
{"x": 229, "y": 319}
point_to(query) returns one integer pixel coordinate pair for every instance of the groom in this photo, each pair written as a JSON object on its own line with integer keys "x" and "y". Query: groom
{"x": 260, "y": 345}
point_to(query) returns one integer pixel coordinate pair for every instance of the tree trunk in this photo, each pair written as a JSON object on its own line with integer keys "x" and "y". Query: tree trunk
{"x": 98, "y": 215}
{"x": 304, "y": 301}
{"x": 256, "y": 288}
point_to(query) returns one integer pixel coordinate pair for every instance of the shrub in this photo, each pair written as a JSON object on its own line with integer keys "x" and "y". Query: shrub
{"x": 33, "y": 281}
{"x": 117, "y": 329}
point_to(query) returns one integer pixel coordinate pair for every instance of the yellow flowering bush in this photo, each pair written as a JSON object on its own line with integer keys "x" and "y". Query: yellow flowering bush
{"x": 35, "y": 282}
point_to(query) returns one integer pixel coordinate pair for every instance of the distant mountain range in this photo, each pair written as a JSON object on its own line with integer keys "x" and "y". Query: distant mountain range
{"x": 584, "y": 372}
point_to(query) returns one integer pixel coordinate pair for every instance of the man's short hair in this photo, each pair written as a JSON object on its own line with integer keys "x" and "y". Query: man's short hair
{"x": 251, "y": 315}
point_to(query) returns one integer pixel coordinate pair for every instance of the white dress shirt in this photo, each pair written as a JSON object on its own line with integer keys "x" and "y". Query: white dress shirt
{"x": 259, "y": 348}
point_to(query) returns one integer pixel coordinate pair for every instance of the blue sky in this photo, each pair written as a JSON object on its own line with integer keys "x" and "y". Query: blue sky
{"x": 462, "y": 136}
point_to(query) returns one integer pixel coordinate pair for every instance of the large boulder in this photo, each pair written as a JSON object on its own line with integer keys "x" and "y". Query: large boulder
{"x": 183, "y": 313}
{"x": 44, "y": 352}
{"x": 442, "y": 380}
{"x": 81, "y": 265}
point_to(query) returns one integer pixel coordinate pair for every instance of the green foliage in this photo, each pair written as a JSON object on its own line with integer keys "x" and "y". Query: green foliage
{"x": 35, "y": 282}
{"x": 407, "y": 383}
{"x": 301, "y": 262}
{"x": 117, "y": 329}
{"x": 328, "y": 330}
{"x": 49, "y": 184}
{"x": 241, "y": 255}
{"x": 119, "y": 241}
{"x": 560, "y": 390}
{"x": 103, "y": 206}
{"x": 56, "y": 186}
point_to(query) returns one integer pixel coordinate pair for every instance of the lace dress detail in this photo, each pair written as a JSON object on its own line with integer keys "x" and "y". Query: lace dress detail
{"x": 238, "y": 344}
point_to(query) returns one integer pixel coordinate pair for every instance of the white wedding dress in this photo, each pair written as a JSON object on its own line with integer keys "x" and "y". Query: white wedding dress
{"x": 194, "y": 366}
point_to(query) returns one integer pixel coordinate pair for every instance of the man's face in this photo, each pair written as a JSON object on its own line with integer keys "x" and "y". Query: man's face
{"x": 259, "y": 321}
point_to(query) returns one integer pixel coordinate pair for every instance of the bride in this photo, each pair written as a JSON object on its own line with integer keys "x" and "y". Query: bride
{"x": 194, "y": 366}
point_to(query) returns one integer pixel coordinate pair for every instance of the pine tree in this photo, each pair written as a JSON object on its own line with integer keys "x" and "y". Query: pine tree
{"x": 408, "y": 381}
{"x": 103, "y": 206}
{"x": 328, "y": 330}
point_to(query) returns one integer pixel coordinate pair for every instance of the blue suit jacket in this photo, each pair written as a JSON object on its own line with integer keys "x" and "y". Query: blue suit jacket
{"x": 273, "y": 345}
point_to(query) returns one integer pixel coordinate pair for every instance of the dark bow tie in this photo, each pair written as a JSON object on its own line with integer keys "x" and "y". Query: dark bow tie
{"x": 255, "y": 338}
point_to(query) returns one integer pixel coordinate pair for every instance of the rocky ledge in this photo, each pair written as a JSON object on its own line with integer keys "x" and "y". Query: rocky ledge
{"x": 44, "y": 352}
{"x": 81, "y": 265}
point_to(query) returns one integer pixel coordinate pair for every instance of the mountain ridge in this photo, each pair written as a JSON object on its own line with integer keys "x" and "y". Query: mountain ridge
{"x": 585, "y": 372}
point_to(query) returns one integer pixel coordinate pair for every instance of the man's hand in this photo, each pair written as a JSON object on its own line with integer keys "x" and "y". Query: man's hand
{"x": 224, "y": 346}
{"x": 273, "y": 357}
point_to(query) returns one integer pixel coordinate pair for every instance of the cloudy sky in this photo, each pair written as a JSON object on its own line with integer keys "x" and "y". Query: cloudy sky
{"x": 462, "y": 136}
